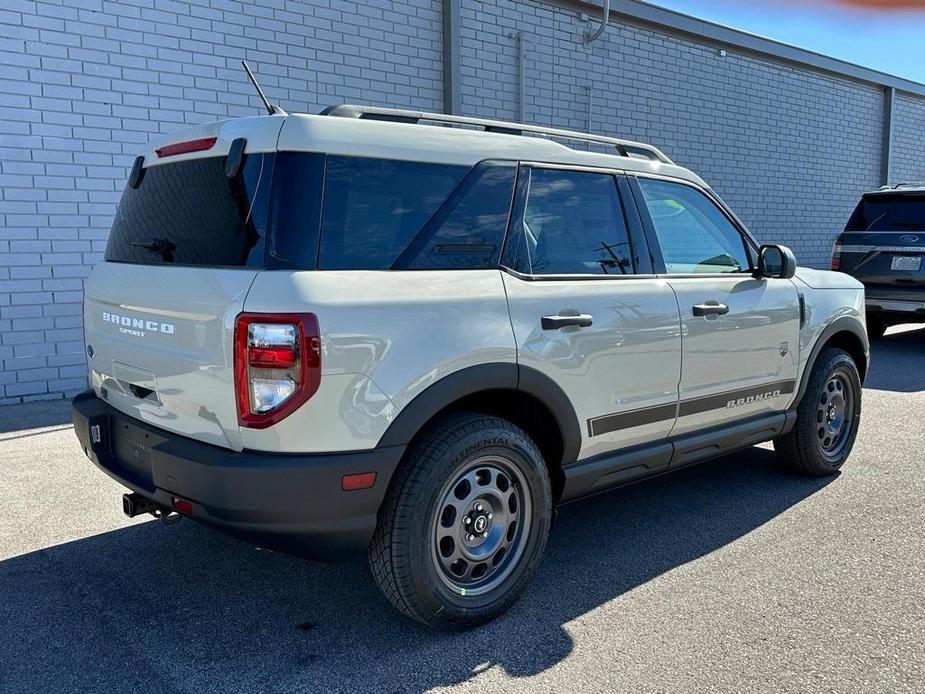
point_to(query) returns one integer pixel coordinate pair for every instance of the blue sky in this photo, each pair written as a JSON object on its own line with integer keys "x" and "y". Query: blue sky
{"x": 889, "y": 40}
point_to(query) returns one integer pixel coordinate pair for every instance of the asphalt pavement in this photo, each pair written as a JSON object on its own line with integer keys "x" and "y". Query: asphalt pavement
{"x": 733, "y": 576}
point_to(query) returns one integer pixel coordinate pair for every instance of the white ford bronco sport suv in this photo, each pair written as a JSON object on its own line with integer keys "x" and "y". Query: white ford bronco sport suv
{"x": 416, "y": 334}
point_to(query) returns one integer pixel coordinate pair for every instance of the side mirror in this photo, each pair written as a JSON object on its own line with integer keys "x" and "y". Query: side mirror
{"x": 776, "y": 261}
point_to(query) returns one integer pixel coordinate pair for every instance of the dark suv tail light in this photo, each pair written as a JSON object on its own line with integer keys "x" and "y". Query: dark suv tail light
{"x": 277, "y": 365}
{"x": 836, "y": 255}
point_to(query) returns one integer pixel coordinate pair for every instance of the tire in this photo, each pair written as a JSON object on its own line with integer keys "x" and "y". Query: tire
{"x": 876, "y": 327}
{"x": 827, "y": 417}
{"x": 466, "y": 466}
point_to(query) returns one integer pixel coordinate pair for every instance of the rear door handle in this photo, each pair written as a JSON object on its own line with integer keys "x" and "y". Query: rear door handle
{"x": 710, "y": 308}
{"x": 582, "y": 320}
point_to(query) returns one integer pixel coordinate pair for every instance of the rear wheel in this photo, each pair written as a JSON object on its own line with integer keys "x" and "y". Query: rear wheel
{"x": 876, "y": 327}
{"x": 465, "y": 523}
{"x": 827, "y": 417}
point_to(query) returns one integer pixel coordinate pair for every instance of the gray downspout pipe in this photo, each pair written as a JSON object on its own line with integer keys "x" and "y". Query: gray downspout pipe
{"x": 521, "y": 75}
{"x": 590, "y": 36}
{"x": 452, "y": 59}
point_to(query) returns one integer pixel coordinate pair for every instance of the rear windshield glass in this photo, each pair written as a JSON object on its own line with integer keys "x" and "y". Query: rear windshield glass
{"x": 191, "y": 213}
{"x": 888, "y": 213}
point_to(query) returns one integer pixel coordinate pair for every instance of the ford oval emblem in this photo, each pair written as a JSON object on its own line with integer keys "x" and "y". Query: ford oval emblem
{"x": 908, "y": 238}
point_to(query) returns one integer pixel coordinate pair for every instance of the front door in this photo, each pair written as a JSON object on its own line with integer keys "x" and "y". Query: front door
{"x": 740, "y": 334}
{"x": 583, "y": 315}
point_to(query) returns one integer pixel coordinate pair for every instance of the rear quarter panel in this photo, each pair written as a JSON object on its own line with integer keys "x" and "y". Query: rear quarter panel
{"x": 385, "y": 337}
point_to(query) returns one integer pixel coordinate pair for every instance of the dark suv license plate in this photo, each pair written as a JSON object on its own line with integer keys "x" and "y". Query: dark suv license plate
{"x": 906, "y": 262}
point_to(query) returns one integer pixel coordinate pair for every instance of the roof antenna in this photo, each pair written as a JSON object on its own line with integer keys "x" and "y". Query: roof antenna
{"x": 272, "y": 109}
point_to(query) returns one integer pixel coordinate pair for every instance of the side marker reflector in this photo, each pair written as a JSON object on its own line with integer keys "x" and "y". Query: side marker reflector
{"x": 362, "y": 480}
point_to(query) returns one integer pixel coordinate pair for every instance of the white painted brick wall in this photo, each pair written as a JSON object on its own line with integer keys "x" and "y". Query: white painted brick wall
{"x": 788, "y": 149}
{"x": 84, "y": 82}
{"x": 908, "y": 140}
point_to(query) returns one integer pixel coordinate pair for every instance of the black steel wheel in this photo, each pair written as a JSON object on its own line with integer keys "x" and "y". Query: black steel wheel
{"x": 828, "y": 417}
{"x": 835, "y": 415}
{"x": 478, "y": 536}
{"x": 465, "y": 522}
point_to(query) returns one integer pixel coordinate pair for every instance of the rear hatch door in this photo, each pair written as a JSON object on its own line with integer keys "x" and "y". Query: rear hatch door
{"x": 187, "y": 241}
{"x": 884, "y": 243}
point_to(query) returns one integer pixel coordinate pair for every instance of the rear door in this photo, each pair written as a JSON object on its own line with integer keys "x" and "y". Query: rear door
{"x": 740, "y": 335}
{"x": 187, "y": 241}
{"x": 586, "y": 310}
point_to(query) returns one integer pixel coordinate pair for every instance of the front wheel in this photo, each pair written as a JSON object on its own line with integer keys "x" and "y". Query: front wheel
{"x": 465, "y": 522}
{"x": 828, "y": 417}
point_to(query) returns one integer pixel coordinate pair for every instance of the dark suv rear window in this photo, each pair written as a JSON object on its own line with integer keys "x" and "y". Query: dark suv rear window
{"x": 191, "y": 213}
{"x": 886, "y": 212}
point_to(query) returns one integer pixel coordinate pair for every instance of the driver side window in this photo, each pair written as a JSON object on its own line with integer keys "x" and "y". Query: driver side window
{"x": 693, "y": 234}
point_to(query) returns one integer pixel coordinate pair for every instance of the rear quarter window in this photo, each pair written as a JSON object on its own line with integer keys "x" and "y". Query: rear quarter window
{"x": 373, "y": 208}
{"x": 332, "y": 212}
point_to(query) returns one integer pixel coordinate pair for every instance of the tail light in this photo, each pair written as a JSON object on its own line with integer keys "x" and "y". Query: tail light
{"x": 836, "y": 255}
{"x": 277, "y": 365}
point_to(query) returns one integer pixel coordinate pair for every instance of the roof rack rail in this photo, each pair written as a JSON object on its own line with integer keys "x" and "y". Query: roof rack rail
{"x": 626, "y": 148}
{"x": 901, "y": 185}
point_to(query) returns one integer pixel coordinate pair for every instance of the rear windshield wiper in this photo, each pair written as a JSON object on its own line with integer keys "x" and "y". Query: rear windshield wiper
{"x": 878, "y": 218}
{"x": 164, "y": 246}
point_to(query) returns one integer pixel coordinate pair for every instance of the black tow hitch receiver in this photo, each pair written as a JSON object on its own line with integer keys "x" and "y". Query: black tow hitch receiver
{"x": 135, "y": 504}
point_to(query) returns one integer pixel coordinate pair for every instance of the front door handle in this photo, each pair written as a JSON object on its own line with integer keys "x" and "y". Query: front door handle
{"x": 710, "y": 308}
{"x": 582, "y": 320}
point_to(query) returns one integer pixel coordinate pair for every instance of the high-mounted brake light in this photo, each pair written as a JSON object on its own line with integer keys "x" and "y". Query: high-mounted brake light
{"x": 836, "y": 255}
{"x": 200, "y": 145}
{"x": 277, "y": 365}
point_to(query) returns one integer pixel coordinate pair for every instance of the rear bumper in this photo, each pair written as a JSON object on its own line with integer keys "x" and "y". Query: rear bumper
{"x": 901, "y": 302}
{"x": 289, "y": 502}
{"x": 895, "y": 311}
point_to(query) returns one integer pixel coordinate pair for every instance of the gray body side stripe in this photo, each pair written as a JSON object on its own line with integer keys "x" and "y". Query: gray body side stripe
{"x": 722, "y": 400}
{"x": 633, "y": 418}
{"x": 649, "y": 415}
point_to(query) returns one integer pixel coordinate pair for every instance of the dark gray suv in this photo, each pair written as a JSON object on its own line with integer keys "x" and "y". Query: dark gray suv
{"x": 882, "y": 246}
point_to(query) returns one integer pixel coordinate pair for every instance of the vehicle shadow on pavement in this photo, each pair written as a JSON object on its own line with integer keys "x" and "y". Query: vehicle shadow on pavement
{"x": 153, "y": 609}
{"x": 896, "y": 361}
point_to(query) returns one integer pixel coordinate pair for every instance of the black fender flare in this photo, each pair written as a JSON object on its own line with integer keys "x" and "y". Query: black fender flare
{"x": 483, "y": 377}
{"x": 842, "y": 324}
